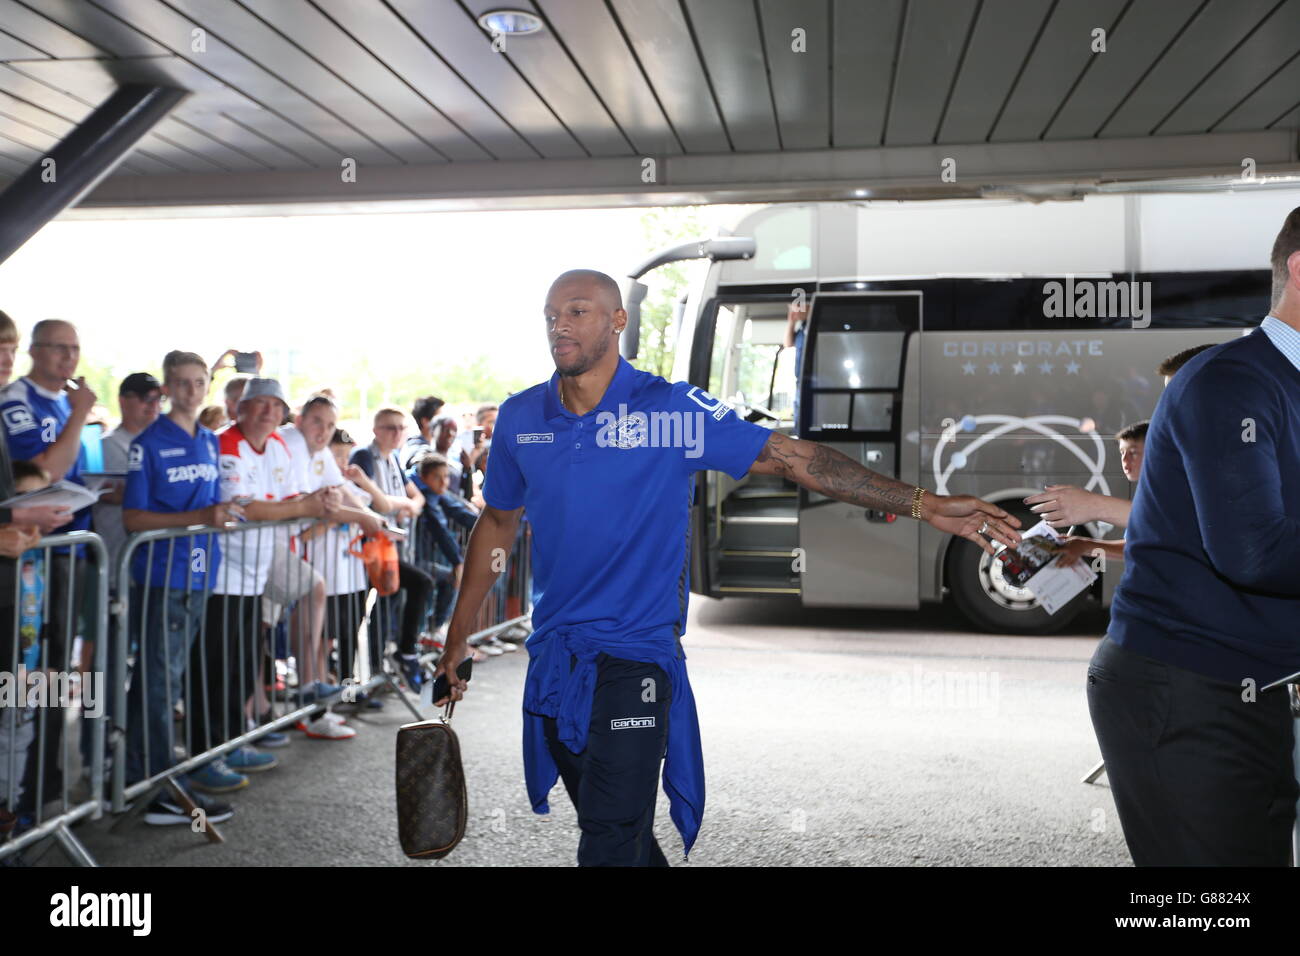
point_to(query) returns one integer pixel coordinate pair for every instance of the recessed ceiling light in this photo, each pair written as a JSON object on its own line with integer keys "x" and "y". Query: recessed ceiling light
{"x": 510, "y": 22}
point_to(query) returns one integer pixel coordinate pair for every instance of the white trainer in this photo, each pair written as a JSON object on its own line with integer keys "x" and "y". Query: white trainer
{"x": 323, "y": 729}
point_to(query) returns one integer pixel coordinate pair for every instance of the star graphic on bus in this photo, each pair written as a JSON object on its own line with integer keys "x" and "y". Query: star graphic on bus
{"x": 1046, "y": 367}
{"x": 1072, "y": 367}
{"x": 968, "y": 368}
{"x": 995, "y": 368}
{"x": 1019, "y": 368}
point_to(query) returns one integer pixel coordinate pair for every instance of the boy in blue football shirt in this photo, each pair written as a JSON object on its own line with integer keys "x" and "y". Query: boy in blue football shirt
{"x": 171, "y": 482}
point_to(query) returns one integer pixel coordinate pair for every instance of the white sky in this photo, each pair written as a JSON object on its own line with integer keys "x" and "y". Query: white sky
{"x": 335, "y": 287}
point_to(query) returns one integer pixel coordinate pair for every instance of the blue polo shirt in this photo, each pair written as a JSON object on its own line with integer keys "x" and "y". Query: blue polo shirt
{"x": 170, "y": 471}
{"x": 34, "y": 417}
{"x": 609, "y": 495}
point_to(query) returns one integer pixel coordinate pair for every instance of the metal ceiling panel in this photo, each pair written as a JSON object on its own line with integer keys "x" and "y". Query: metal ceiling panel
{"x": 930, "y": 54}
{"x": 90, "y": 80}
{"x": 244, "y": 123}
{"x": 49, "y": 123}
{"x": 864, "y": 45}
{"x": 664, "y": 47}
{"x": 1272, "y": 100}
{"x": 1273, "y": 43}
{"x": 1000, "y": 43}
{"x": 1058, "y": 61}
{"x": 23, "y": 139}
{"x": 599, "y": 51}
{"x": 50, "y": 128}
{"x": 548, "y": 69}
{"x": 386, "y": 36}
{"x": 721, "y": 91}
{"x": 732, "y": 50}
{"x": 1290, "y": 121}
{"x": 99, "y": 27}
{"x": 11, "y": 48}
{"x": 800, "y": 69}
{"x": 453, "y": 34}
{"x": 43, "y": 33}
{"x": 254, "y": 38}
{"x": 1208, "y": 38}
{"x": 258, "y": 84}
{"x": 74, "y": 108}
{"x": 19, "y": 132}
{"x": 29, "y": 99}
{"x": 323, "y": 40}
{"x": 1143, "y": 31}
{"x": 11, "y": 166}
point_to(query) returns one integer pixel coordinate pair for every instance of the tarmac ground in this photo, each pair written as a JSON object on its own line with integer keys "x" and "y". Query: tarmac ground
{"x": 830, "y": 738}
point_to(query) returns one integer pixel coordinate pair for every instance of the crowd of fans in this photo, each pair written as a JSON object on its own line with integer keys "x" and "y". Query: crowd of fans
{"x": 273, "y": 600}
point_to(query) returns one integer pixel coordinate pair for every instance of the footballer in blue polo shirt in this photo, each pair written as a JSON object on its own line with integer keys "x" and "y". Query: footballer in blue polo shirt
{"x": 602, "y": 457}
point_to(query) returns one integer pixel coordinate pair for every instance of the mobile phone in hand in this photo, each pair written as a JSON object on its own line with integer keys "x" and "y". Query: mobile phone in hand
{"x": 246, "y": 362}
{"x": 441, "y": 686}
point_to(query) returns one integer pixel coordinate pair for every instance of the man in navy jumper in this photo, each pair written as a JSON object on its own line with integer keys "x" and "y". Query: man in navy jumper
{"x": 607, "y": 697}
{"x": 1208, "y": 611}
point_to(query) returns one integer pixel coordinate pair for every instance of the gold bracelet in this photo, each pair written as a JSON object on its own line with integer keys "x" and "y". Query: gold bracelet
{"x": 917, "y": 495}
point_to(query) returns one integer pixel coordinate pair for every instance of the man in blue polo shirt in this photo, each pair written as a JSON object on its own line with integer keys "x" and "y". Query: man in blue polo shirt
{"x": 603, "y": 458}
{"x": 1198, "y": 753}
{"x": 172, "y": 482}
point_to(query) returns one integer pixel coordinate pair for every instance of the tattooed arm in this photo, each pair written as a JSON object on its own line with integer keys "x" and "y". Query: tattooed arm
{"x": 836, "y": 475}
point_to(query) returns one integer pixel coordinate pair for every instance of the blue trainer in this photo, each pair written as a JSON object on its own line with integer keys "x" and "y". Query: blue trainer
{"x": 250, "y": 760}
{"x": 318, "y": 690}
{"x": 409, "y": 665}
{"x": 216, "y": 777}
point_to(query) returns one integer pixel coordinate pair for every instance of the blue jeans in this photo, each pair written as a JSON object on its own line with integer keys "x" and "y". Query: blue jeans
{"x": 444, "y": 593}
{"x": 171, "y": 622}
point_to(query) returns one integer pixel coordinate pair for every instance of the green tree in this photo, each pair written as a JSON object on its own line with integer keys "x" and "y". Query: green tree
{"x": 662, "y": 227}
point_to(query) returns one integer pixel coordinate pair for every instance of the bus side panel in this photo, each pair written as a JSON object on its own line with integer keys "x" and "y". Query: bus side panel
{"x": 1006, "y": 411}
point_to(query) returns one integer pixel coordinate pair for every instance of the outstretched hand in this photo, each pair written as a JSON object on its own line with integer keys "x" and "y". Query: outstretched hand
{"x": 973, "y": 519}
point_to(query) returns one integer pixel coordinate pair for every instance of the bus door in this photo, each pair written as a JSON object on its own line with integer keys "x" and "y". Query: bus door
{"x": 745, "y": 533}
{"x": 852, "y": 399}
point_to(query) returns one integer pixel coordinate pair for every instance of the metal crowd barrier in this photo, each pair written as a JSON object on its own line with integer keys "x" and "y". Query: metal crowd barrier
{"x": 508, "y": 605}
{"x": 220, "y": 663}
{"x": 38, "y": 735}
{"x": 226, "y": 661}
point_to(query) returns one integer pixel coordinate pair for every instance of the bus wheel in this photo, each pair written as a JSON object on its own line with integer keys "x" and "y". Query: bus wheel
{"x": 992, "y": 603}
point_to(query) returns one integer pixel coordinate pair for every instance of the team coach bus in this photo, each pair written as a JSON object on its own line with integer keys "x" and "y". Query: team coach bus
{"x": 974, "y": 347}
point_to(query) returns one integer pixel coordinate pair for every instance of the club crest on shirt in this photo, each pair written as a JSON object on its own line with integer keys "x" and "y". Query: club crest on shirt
{"x": 630, "y": 431}
{"x": 135, "y": 458}
{"x": 18, "y": 419}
